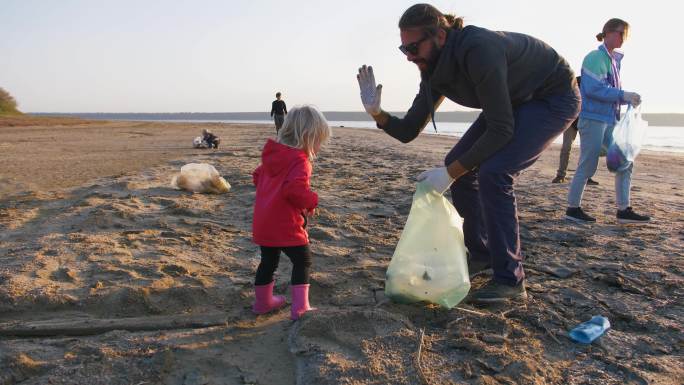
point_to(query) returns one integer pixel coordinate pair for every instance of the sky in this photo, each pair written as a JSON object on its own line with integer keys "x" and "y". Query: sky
{"x": 232, "y": 56}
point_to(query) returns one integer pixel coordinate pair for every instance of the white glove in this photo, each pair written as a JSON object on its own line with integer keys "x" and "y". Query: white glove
{"x": 438, "y": 178}
{"x": 370, "y": 94}
{"x": 632, "y": 98}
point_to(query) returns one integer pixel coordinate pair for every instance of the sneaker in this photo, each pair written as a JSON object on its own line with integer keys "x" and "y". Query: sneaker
{"x": 629, "y": 216}
{"x": 493, "y": 292}
{"x": 576, "y": 214}
{"x": 558, "y": 179}
{"x": 592, "y": 182}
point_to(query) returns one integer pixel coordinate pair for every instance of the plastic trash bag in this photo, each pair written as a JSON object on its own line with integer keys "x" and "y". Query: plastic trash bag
{"x": 429, "y": 263}
{"x": 628, "y": 136}
{"x": 200, "y": 178}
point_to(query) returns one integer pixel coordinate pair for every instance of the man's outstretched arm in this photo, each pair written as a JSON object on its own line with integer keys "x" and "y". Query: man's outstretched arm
{"x": 404, "y": 129}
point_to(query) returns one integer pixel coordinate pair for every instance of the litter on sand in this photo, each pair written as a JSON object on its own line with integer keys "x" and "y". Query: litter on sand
{"x": 588, "y": 331}
{"x": 200, "y": 178}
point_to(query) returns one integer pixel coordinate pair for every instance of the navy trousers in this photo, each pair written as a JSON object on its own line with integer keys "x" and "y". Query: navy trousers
{"x": 485, "y": 197}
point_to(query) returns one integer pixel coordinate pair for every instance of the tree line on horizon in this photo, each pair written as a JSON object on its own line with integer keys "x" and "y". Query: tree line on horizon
{"x": 8, "y": 105}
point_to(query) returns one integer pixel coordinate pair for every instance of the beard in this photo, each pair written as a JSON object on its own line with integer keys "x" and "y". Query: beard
{"x": 427, "y": 66}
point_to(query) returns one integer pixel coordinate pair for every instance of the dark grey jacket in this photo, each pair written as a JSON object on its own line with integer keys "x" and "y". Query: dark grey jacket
{"x": 494, "y": 71}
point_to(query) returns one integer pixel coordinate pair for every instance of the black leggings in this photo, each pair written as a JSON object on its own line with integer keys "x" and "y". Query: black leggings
{"x": 270, "y": 256}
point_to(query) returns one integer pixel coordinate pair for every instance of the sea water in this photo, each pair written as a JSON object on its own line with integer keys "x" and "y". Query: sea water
{"x": 658, "y": 138}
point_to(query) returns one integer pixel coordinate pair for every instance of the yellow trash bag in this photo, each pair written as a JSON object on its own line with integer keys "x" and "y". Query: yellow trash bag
{"x": 429, "y": 263}
{"x": 200, "y": 178}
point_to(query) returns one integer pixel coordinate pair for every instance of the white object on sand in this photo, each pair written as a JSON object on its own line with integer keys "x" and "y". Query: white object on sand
{"x": 198, "y": 142}
{"x": 200, "y": 178}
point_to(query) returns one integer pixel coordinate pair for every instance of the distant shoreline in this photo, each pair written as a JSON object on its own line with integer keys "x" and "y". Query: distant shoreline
{"x": 452, "y": 116}
{"x": 654, "y": 119}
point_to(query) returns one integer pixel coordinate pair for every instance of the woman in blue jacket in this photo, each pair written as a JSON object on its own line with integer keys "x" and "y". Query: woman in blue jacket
{"x": 602, "y": 96}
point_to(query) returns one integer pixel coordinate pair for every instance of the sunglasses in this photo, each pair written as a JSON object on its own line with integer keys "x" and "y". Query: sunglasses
{"x": 412, "y": 48}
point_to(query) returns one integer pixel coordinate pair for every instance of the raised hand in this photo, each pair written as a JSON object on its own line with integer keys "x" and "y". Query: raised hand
{"x": 370, "y": 93}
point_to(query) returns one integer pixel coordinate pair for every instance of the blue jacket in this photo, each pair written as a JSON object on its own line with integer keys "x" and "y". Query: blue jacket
{"x": 600, "y": 88}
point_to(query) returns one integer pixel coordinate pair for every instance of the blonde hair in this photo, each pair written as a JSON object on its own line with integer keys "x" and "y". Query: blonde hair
{"x": 305, "y": 128}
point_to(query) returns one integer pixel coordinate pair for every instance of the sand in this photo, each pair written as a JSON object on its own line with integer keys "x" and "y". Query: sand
{"x": 109, "y": 276}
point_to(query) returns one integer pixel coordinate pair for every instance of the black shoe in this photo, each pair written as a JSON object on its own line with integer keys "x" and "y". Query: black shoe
{"x": 629, "y": 216}
{"x": 576, "y": 214}
{"x": 592, "y": 182}
{"x": 558, "y": 179}
{"x": 493, "y": 292}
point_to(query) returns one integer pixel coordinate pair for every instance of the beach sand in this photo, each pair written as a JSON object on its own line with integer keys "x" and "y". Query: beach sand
{"x": 109, "y": 276}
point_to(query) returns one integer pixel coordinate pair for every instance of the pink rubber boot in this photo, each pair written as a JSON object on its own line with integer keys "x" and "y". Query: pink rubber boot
{"x": 265, "y": 301}
{"x": 300, "y": 301}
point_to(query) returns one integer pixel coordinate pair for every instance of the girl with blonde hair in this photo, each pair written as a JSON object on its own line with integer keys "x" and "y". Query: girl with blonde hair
{"x": 283, "y": 202}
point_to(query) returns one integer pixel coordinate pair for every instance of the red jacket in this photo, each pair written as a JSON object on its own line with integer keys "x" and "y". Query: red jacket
{"x": 283, "y": 196}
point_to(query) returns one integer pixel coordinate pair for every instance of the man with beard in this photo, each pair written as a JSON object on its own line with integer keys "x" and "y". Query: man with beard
{"x": 528, "y": 96}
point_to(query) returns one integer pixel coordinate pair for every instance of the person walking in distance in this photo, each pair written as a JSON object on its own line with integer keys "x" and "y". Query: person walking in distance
{"x": 278, "y": 111}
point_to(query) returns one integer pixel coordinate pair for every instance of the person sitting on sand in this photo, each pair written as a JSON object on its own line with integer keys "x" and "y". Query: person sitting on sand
{"x": 528, "y": 96}
{"x": 602, "y": 96}
{"x": 210, "y": 139}
{"x": 283, "y": 201}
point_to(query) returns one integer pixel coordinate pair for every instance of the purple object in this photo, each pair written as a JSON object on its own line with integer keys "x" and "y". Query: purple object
{"x": 616, "y": 159}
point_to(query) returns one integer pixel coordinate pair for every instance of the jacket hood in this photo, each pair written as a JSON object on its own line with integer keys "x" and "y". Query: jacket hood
{"x": 444, "y": 67}
{"x": 278, "y": 158}
{"x": 446, "y": 63}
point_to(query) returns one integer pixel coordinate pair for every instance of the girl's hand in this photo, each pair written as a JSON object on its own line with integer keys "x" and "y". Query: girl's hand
{"x": 312, "y": 212}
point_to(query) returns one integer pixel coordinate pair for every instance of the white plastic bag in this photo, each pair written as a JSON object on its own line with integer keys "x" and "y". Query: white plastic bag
{"x": 628, "y": 136}
{"x": 429, "y": 263}
{"x": 201, "y": 178}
